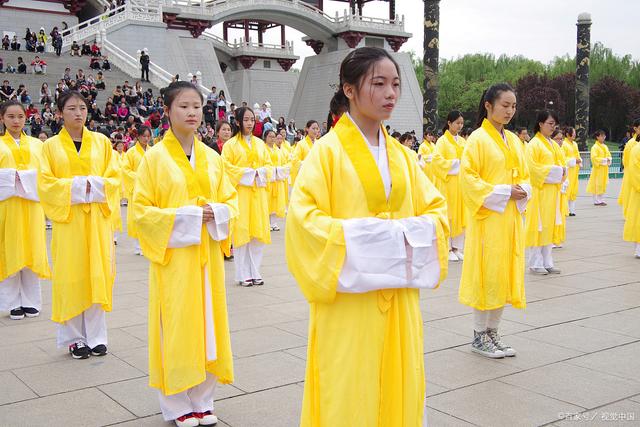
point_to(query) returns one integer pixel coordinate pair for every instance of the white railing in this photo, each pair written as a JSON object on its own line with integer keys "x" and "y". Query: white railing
{"x": 250, "y": 47}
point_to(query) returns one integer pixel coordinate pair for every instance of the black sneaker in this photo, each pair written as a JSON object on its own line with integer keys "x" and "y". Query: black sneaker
{"x": 30, "y": 312}
{"x": 17, "y": 314}
{"x": 258, "y": 282}
{"x": 79, "y": 350}
{"x": 99, "y": 350}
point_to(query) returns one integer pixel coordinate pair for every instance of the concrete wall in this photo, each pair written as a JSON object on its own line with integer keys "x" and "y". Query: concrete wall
{"x": 16, "y": 20}
{"x": 259, "y": 86}
{"x": 317, "y": 84}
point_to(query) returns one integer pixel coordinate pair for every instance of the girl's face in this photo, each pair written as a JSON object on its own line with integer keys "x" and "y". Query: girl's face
{"x": 248, "y": 122}
{"x": 547, "y": 127}
{"x": 313, "y": 131}
{"x": 279, "y": 139}
{"x": 559, "y": 138}
{"x": 14, "y": 119}
{"x": 283, "y": 133}
{"x": 600, "y": 138}
{"x": 144, "y": 138}
{"x": 378, "y": 93}
{"x": 42, "y": 137}
{"x": 119, "y": 147}
{"x": 636, "y": 130}
{"x": 74, "y": 112}
{"x": 185, "y": 112}
{"x": 503, "y": 109}
{"x": 456, "y": 126}
{"x": 271, "y": 139}
{"x": 225, "y": 132}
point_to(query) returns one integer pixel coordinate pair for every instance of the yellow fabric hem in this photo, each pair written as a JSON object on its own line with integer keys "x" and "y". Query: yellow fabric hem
{"x": 520, "y": 306}
{"x": 105, "y": 307}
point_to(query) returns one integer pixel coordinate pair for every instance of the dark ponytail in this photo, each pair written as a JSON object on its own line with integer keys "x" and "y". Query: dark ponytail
{"x": 491, "y": 95}
{"x": 451, "y": 117}
{"x": 542, "y": 117}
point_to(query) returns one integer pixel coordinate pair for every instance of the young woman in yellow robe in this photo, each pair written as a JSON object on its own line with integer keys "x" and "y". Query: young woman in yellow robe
{"x": 248, "y": 165}
{"x": 560, "y": 230}
{"x": 547, "y": 167}
{"x": 119, "y": 154}
{"x": 130, "y": 165}
{"x": 359, "y": 256}
{"x": 495, "y": 188}
{"x": 183, "y": 205}
{"x": 285, "y": 151}
{"x": 303, "y": 147}
{"x": 449, "y": 147}
{"x": 631, "y": 231}
{"x": 23, "y": 250}
{"x": 600, "y": 162}
{"x": 574, "y": 161}
{"x": 277, "y": 188}
{"x": 624, "y": 190}
{"x": 79, "y": 188}
{"x": 425, "y": 155}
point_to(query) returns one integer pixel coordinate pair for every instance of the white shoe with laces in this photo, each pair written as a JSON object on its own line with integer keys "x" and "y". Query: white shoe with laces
{"x": 453, "y": 257}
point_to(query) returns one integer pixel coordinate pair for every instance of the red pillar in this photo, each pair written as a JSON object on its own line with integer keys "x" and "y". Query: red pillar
{"x": 260, "y": 31}
{"x": 283, "y": 39}
{"x": 246, "y": 30}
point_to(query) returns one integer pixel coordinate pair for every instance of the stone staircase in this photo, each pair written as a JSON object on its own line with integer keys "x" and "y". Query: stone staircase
{"x": 55, "y": 71}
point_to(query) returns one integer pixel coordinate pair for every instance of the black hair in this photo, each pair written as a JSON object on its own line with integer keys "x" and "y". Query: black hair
{"x": 240, "y": 118}
{"x": 451, "y": 117}
{"x": 220, "y": 123}
{"x": 598, "y": 133}
{"x": 5, "y": 106}
{"x": 310, "y": 123}
{"x": 172, "y": 91}
{"x": 556, "y": 131}
{"x": 354, "y": 68}
{"x": 66, "y": 96}
{"x": 396, "y": 135}
{"x": 404, "y": 137}
{"x": 267, "y": 132}
{"x": 142, "y": 129}
{"x": 491, "y": 95}
{"x": 635, "y": 124}
{"x": 568, "y": 130}
{"x": 542, "y": 117}
{"x": 521, "y": 129}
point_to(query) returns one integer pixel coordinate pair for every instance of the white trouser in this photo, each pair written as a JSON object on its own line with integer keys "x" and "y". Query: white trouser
{"x": 457, "y": 242}
{"x": 483, "y": 319}
{"x": 137, "y": 246}
{"x": 195, "y": 399}
{"x": 248, "y": 259}
{"x": 90, "y": 327}
{"x": 272, "y": 219}
{"x": 20, "y": 290}
{"x": 637, "y": 250}
{"x": 598, "y": 198}
{"x": 540, "y": 257}
{"x": 115, "y": 237}
{"x": 572, "y": 206}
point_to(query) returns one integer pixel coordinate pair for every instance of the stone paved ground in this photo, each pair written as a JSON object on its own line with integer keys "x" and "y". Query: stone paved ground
{"x": 578, "y": 343}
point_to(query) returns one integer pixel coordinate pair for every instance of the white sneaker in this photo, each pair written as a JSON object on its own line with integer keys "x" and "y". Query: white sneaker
{"x": 206, "y": 418}
{"x": 453, "y": 257}
{"x": 459, "y": 255}
{"x": 539, "y": 270}
{"x": 483, "y": 345}
{"x": 495, "y": 338}
{"x": 188, "y": 420}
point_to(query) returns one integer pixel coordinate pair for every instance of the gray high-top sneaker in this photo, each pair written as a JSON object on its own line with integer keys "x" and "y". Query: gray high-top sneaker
{"x": 506, "y": 349}
{"x": 483, "y": 345}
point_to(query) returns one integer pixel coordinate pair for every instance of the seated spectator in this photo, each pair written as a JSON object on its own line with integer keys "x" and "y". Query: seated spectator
{"x": 31, "y": 41}
{"x": 86, "y": 49}
{"x": 23, "y": 95}
{"x": 45, "y": 94}
{"x": 209, "y": 113}
{"x": 39, "y": 66}
{"x": 56, "y": 125}
{"x": 93, "y": 127}
{"x": 267, "y": 125}
{"x": 95, "y": 49}
{"x": 123, "y": 111}
{"x": 105, "y": 64}
{"x": 80, "y": 77}
{"x": 94, "y": 63}
{"x": 41, "y": 41}
{"x": 118, "y": 95}
{"x": 30, "y": 111}
{"x": 1, "y": 66}
{"x": 110, "y": 127}
{"x": 110, "y": 111}
{"x": 73, "y": 85}
{"x": 95, "y": 113}
{"x": 75, "y": 49}
{"x": 60, "y": 89}
{"x": 15, "y": 44}
{"x": 84, "y": 89}
{"x": 6, "y": 42}
{"x": 131, "y": 97}
{"x": 93, "y": 92}
{"x": 36, "y": 125}
{"x": 67, "y": 75}
{"x": 47, "y": 115}
{"x": 100, "y": 85}
{"x": 22, "y": 67}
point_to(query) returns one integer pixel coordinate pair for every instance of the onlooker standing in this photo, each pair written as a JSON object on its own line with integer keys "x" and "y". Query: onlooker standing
{"x": 144, "y": 61}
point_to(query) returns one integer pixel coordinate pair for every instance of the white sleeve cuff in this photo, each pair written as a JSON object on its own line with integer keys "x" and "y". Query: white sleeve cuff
{"x": 79, "y": 190}
{"x": 604, "y": 162}
{"x": 282, "y": 173}
{"x": 498, "y": 199}
{"x": 429, "y": 158}
{"x": 248, "y": 176}
{"x": 96, "y": 194}
{"x": 522, "y": 203}
{"x": 28, "y": 188}
{"x": 571, "y": 162}
{"x": 564, "y": 186}
{"x": 555, "y": 175}
{"x": 7, "y": 183}
{"x": 261, "y": 177}
{"x": 455, "y": 167}
{"x": 219, "y": 228}
{"x": 187, "y": 227}
{"x": 423, "y": 263}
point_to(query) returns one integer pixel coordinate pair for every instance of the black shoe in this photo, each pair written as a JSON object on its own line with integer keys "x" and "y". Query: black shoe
{"x": 572, "y": 214}
{"x": 259, "y": 282}
{"x": 79, "y": 350}
{"x": 30, "y": 312}
{"x": 228, "y": 258}
{"x": 17, "y": 314}
{"x": 99, "y": 350}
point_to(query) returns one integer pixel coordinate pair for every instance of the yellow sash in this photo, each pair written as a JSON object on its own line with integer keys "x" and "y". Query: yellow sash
{"x": 80, "y": 163}
{"x": 510, "y": 157}
{"x": 557, "y": 160}
{"x": 21, "y": 154}
{"x": 356, "y": 148}
{"x": 140, "y": 149}
{"x": 252, "y": 152}
{"x": 198, "y": 183}
{"x": 459, "y": 147}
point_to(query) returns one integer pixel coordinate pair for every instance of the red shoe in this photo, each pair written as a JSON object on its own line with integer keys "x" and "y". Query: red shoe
{"x": 206, "y": 418}
{"x": 187, "y": 420}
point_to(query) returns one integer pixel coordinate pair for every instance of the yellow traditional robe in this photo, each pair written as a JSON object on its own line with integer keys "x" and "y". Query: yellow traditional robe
{"x": 631, "y": 231}
{"x": 130, "y": 164}
{"x": 624, "y": 190}
{"x": 425, "y": 150}
{"x": 287, "y": 153}
{"x": 22, "y": 242}
{"x": 365, "y": 361}
{"x": 300, "y": 152}
{"x": 167, "y": 181}
{"x": 449, "y": 149}
{"x": 560, "y": 230}
{"x": 571, "y": 151}
{"x": 543, "y": 211}
{"x": 494, "y": 251}
{"x": 599, "y": 177}
{"x": 117, "y": 218}
{"x": 82, "y": 240}
{"x": 253, "y": 202}
{"x": 277, "y": 189}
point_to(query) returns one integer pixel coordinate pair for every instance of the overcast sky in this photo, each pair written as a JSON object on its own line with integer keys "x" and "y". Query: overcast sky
{"x": 537, "y": 29}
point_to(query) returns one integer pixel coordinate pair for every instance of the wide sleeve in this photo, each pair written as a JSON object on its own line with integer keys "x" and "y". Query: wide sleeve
{"x": 226, "y": 200}
{"x": 475, "y": 190}
{"x": 439, "y": 163}
{"x": 129, "y": 172}
{"x": 111, "y": 180}
{"x": 597, "y": 156}
{"x": 154, "y": 224}
{"x": 7, "y": 183}
{"x": 538, "y": 171}
{"x": 237, "y": 174}
{"x": 634, "y": 169}
{"x": 54, "y": 192}
{"x": 314, "y": 241}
